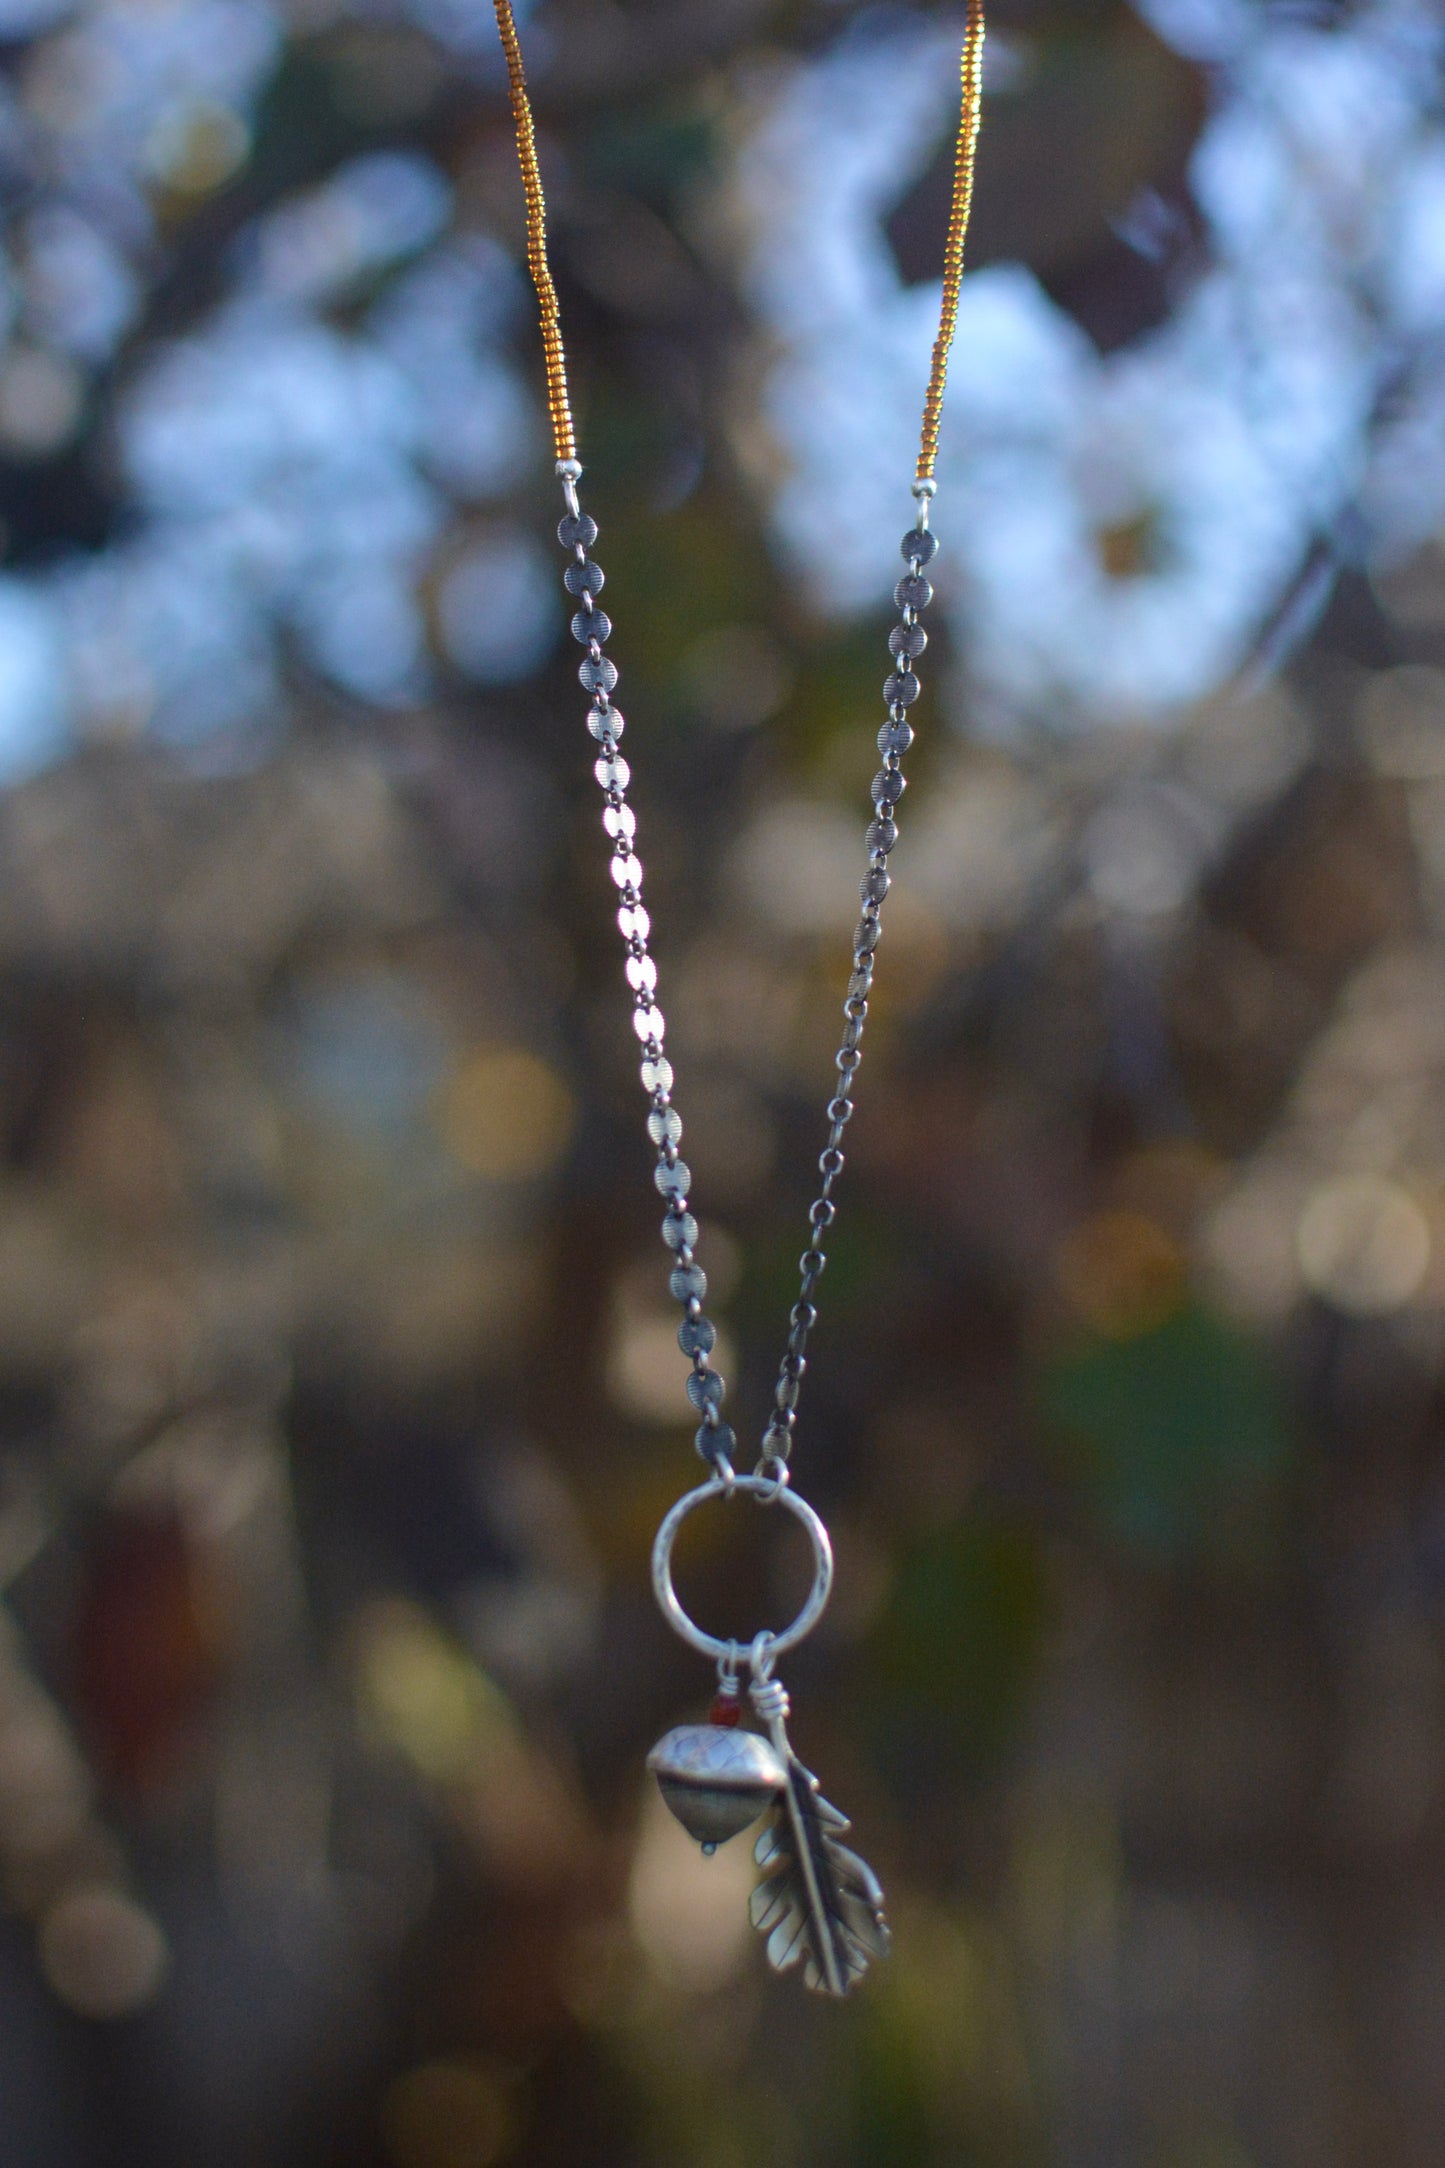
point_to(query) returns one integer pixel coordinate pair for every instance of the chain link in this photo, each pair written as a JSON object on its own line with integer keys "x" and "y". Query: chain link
{"x": 592, "y": 628}
{"x": 697, "y": 1335}
{"x": 906, "y": 643}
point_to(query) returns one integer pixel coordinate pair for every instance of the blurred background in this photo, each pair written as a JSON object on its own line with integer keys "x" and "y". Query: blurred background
{"x": 339, "y": 1380}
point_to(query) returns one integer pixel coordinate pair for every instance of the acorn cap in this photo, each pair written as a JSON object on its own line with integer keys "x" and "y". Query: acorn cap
{"x": 717, "y": 1754}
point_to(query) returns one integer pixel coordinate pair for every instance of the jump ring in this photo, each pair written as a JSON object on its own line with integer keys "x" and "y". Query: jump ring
{"x": 766, "y": 1489}
{"x": 772, "y": 1475}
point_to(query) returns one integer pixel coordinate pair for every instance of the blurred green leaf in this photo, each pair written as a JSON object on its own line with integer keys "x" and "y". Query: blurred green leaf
{"x": 954, "y": 1654}
{"x": 1177, "y": 1436}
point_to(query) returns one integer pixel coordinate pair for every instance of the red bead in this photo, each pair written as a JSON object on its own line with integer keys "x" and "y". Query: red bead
{"x": 727, "y": 1711}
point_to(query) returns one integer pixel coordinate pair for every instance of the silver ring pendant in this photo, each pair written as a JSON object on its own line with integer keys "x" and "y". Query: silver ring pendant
{"x": 761, "y": 1487}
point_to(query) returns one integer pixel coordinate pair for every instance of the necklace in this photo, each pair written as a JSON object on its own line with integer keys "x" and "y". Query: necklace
{"x": 819, "y": 1905}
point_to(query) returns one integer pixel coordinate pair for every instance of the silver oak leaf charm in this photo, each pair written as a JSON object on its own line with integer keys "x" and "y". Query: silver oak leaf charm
{"x": 818, "y": 1903}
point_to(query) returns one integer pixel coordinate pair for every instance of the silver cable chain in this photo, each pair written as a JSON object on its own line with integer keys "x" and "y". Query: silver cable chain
{"x": 906, "y": 643}
{"x": 697, "y": 1336}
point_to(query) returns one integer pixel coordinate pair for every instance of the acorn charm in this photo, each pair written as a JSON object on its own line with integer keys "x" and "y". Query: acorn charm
{"x": 716, "y": 1779}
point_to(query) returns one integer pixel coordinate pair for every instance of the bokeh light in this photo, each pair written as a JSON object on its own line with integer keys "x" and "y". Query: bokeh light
{"x": 102, "y": 1953}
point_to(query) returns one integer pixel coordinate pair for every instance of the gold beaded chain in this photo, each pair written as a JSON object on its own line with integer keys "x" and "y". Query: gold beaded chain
{"x": 971, "y": 73}
{"x": 558, "y": 404}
